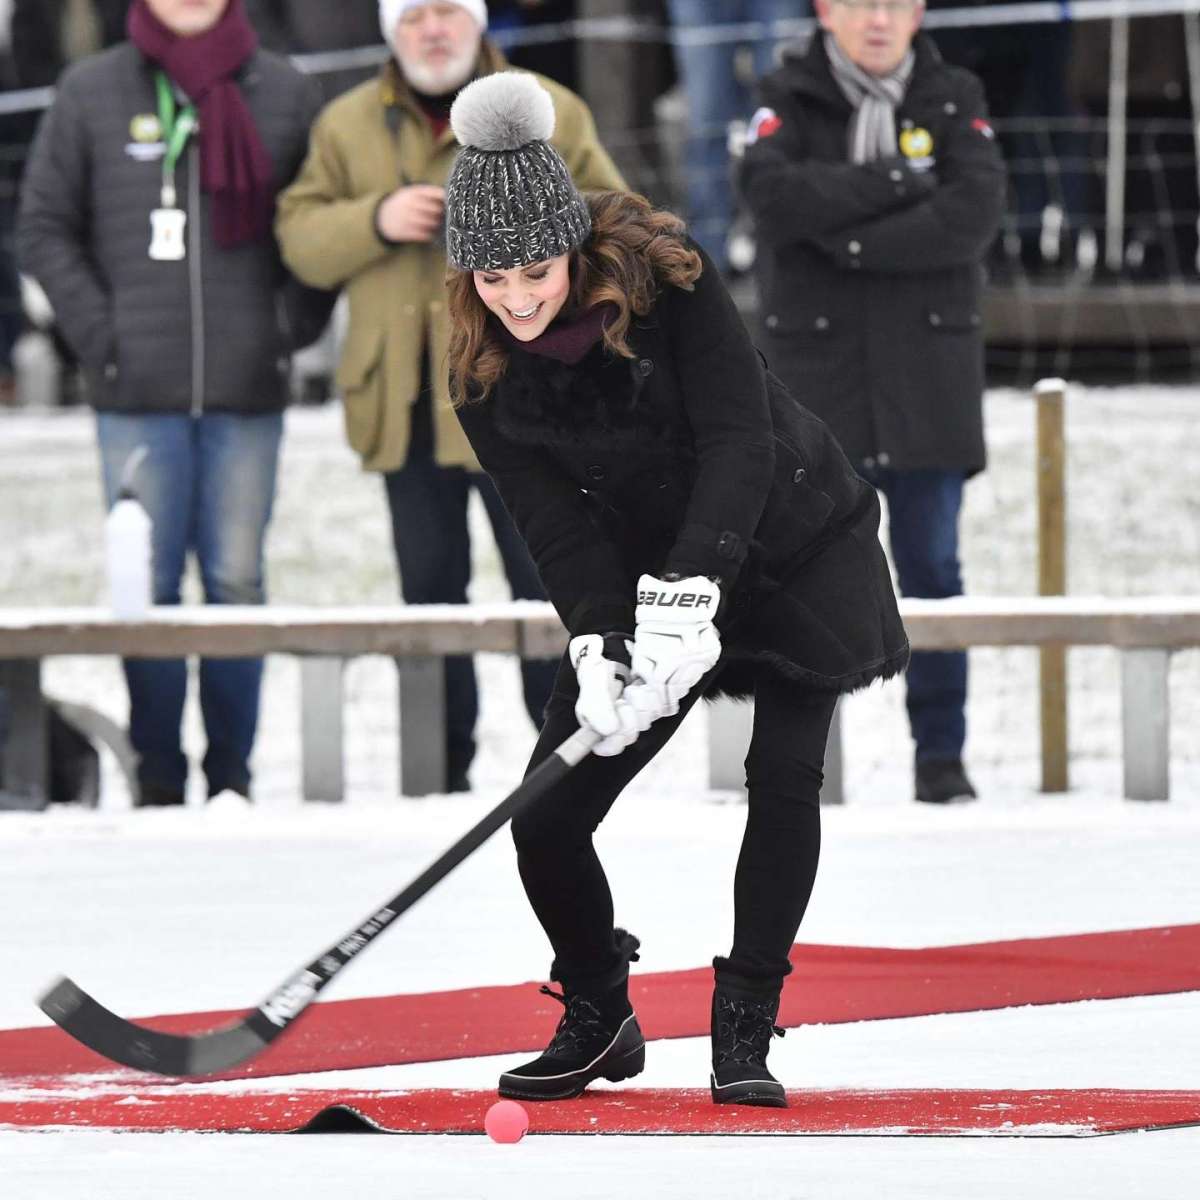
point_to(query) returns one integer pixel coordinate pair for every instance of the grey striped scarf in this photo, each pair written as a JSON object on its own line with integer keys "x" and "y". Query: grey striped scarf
{"x": 874, "y": 97}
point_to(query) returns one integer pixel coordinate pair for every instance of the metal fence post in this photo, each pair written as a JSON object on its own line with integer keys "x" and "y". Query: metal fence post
{"x": 1145, "y": 723}
{"x": 1118, "y": 99}
{"x": 422, "y": 725}
{"x": 321, "y": 726}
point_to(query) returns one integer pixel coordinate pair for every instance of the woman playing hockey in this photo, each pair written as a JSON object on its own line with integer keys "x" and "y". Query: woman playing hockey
{"x": 697, "y": 530}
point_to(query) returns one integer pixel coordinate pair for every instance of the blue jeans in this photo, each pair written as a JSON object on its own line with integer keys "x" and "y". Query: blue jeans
{"x": 923, "y": 509}
{"x": 208, "y": 484}
{"x": 715, "y": 97}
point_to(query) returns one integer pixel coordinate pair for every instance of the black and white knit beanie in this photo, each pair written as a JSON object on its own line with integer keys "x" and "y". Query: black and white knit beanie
{"x": 510, "y": 200}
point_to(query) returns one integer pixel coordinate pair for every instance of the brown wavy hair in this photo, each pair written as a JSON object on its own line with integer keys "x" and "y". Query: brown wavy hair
{"x": 632, "y": 251}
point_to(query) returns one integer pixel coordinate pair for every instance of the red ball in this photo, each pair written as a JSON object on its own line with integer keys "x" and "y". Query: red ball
{"x": 506, "y": 1122}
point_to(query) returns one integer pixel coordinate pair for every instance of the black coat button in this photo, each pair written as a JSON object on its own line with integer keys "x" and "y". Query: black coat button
{"x": 597, "y": 472}
{"x": 798, "y": 474}
{"x": 645, "y": 366}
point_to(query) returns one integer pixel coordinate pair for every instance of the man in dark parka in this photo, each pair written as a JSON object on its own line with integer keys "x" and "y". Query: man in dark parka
{"x": 876, "y": 186}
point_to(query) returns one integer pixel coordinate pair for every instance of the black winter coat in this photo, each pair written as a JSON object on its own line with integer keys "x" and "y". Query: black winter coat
{"x": 692, "y": 458}
{"x": 210, "y": 333}
{"x": 869, "y": 275}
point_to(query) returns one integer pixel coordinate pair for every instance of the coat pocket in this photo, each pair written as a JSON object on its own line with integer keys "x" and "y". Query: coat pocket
{"x": 796, "y": 512}
{"x": 359, "y": 380}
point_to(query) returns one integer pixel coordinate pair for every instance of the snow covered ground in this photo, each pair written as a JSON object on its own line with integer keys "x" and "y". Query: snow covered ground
{"x": 204, "y": 908}
{"x": 199, "y": 909}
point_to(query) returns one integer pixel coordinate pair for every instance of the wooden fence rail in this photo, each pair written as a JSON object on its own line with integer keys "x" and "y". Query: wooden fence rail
{"x": 1145, "y": 631}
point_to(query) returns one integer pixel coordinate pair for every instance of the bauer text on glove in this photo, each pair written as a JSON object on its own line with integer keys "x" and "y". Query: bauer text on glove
{"x": 675, "y": 643}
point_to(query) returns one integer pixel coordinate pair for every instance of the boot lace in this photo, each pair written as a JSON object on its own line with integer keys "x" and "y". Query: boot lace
{"x": 581, "y": 1026}
{"x": 745, "y": 1029}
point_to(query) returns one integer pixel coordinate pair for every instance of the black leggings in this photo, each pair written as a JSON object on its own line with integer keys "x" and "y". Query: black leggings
{"x": 777, "y": 865}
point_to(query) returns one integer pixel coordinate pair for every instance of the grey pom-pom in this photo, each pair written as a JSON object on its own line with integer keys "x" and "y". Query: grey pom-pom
{"x": 504, "y": 111}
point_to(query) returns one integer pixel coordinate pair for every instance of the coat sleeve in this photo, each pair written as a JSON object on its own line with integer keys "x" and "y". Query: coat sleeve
{"x": 958, "y": 221}
{"x": 796, "y": 198}
{"x": 304, "y": 310}
{"x": 579, "y": 566}
{"x": 53, "y": 223}
{"x": 725, "y": 401}
{"x": 326, "y": 233}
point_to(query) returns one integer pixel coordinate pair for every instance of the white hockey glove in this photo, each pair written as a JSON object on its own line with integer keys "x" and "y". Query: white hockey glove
{"x": 602, "y": 668}
{"x": 675, "y": 643}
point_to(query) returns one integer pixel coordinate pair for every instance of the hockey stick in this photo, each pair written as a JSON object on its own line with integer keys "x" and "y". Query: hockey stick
{"x": 133, "y": 1045}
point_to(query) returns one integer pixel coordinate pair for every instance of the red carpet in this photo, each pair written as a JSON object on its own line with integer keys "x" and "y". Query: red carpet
{"x": 832, "y": 984}
{"x": 999, "y": 1113}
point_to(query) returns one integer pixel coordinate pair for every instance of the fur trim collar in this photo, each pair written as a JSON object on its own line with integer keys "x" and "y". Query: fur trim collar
{"x": 600, "y": 402}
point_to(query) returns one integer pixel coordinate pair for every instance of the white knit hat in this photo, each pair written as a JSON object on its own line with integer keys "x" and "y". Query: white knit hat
{"x": 390, "y": 11}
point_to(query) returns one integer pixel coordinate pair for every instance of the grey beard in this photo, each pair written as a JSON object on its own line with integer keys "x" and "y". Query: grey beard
{"x": 442, "y": 80}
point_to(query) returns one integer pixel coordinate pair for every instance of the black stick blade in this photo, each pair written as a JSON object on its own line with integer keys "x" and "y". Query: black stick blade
{"x": 133, "y": 1045}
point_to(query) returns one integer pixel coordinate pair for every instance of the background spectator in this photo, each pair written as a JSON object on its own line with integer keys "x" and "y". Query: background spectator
{"x": 1024, "y": 69}
{"x": 876, "y": 186}
{"x": 15, "y": 131}
{"x": 554, "y": 59}
{"x": 345, "y": 222}
{"x": 318, "y": 26}
{"x": 167, "y": 283}
{"x": 1161, "y": 199}
{"x": 49, "y": 35}
{"x": 717, "y": 95}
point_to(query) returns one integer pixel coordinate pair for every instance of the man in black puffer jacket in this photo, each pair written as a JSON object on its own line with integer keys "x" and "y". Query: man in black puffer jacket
{"x": 876, "y": 188}
{"x": 153, "y": 243}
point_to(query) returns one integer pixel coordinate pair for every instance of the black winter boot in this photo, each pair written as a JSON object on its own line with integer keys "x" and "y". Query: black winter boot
{"x": 943, "y": 781}
{"x": 598, "y": 1037}
{"x": 743, "y": 1023}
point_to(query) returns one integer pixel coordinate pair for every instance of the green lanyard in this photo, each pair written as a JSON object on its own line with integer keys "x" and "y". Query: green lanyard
{"x": 176, "y": 129}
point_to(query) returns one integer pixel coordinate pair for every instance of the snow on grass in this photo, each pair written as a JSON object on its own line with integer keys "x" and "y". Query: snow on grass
{"x": 1134, "y": 529}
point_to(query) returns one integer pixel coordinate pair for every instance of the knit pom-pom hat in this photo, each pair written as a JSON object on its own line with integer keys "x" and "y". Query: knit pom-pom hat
{"x": 510, "y": 200}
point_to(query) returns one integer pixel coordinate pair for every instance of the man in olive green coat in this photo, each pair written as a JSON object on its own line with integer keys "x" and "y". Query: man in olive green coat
{"x": 366, "y": 214}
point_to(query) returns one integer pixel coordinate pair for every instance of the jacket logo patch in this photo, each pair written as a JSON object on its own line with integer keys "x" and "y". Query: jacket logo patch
{"x": 146, "y": 151}
{"x": 916, "y": 143}
{"x": 764, "y": 123}
{"x": 145, "y": 127}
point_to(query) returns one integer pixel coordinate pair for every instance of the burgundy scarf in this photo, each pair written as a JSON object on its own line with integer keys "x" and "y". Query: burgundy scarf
{"x": 235, "y": 168}
{"x": 567, "y": 340}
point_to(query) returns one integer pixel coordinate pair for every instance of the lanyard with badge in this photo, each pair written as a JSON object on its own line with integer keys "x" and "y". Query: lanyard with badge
{"x": 167, "y": 223}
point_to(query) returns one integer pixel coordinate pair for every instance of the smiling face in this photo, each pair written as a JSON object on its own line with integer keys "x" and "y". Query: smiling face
{"x": 873, "y": 34}
{"x": 528, "y": 298}
{"x": 187, "y": 18}
{"x": 437, "y": 47}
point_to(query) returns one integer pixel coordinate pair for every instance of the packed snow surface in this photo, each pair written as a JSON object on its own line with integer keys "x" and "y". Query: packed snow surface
{"x": 211, "y": 907}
